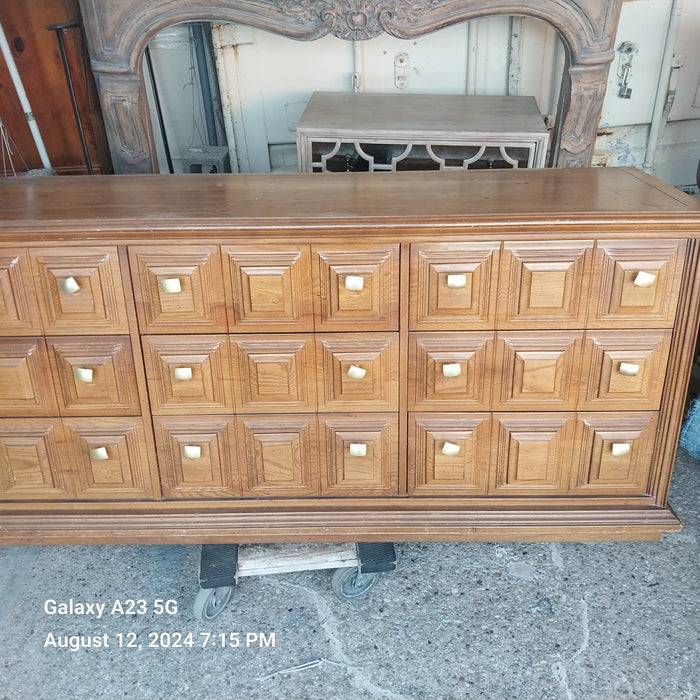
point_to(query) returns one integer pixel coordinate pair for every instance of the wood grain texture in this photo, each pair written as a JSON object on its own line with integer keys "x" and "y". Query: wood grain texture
{"x": 19, "y": 306}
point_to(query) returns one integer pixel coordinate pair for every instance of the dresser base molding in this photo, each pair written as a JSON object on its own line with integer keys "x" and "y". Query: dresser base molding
{"x": 333, "y": 525}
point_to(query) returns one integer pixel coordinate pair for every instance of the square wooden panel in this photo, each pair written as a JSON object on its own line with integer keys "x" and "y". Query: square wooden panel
{"x": 450, "y": 372}
{"x": 636, "y": 283}
{"x": 361, "y": 455}
{"x": 358, "y": 372}
{"x": 94, "y": 375}
{"x": 197, "y": 457}
{"x": 19, "y": 305}
{"x": 178, "y": 289}
{"x": 616, "y": 453}
{"x": 449, "y": 454}
{"x": 268, "y": 288}
{"x": 537, "y": 371}
{"x": 624, "y": 370}
{"x": 33, "y": 460}
{"x": 453, "y": 286}
{"x": 356, "y": 288}
{"x": 188, "y": 374}
{"x": 533, "y": 453}
{"x": 26, "y": 384}
{"x": 111, "y": 458}
{"x": 80, "y": 290}
{"x": 273, "y": 373}
{"x": 278, "y": 455}
{"x": 544, "y": 285}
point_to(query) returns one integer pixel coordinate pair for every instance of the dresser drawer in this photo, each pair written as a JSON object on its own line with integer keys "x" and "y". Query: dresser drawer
{"x": 188, "y": 374}
{"x": 637, "y": 283}
{"x": 197, "y": 456}
{"x": 356, "y": 287}
{"x": 26, "y": 383}
{"x": 19, "y": 304}
{"x": 94, "y": 375}
{"x": 453, "y": 286}
{"x": 450, "y": 371}
{"x": 358, "y": 372}
{"x": 624, "y": 370}
{"x": 178, "y": 289}
{"x": 361, "y": 454}
{"x": 449, "y": 453}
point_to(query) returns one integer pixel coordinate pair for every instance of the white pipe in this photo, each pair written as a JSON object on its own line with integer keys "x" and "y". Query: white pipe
{"x": 17, "y": 82}
{"x": 657, "y": 119}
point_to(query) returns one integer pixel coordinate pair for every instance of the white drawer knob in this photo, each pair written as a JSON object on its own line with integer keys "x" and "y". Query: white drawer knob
{"x": 629, "y": 369}
{"x": 83, "y": 374}
{"x": 450, "y": 449}
{"x": 453, "y": 369}
{"x": 456, "y": 281}
{"x": 183, "y": 373}
{"x": 69, "y": 285}
{"x": 192, "y": 451}
{"x": 99, "y": 453}
{"x": 620, "y": 449}
{"x": 356, "y": 372}
{"x": 644, "y": 279}
{"x": 171, "y": 285}
{"x": 354, "y": 283}
{"x": 358, "y": 449}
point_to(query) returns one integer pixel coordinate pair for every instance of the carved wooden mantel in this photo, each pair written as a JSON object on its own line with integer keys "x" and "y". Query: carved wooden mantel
{"x": 119, "y": 31}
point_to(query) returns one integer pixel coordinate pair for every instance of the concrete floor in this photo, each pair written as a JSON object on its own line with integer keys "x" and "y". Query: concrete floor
{"x": 501, "y": 622}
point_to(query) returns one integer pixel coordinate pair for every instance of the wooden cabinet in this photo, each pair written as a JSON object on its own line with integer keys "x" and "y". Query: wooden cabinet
{"x": 455, "y": 356}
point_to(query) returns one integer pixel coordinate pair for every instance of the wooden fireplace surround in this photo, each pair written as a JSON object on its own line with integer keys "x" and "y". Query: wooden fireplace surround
{"x": 118, "y": 33}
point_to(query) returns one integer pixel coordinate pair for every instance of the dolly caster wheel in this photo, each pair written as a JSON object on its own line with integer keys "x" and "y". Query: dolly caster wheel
{"x": 349, "y": 583}
{"x": 210, "y": 602}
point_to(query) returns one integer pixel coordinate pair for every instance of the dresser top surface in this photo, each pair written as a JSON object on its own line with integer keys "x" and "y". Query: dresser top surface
{"x": 103, "y": 205}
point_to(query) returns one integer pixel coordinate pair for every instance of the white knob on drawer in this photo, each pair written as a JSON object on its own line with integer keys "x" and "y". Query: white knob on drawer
{"x": 356, "y": 372}
{"x": 450, "y": 449}
{"x": 358, "y": 449}
{"x": 354, "y": 283}
{"x": 644, "y": 279}
{"x": 99, "y": 453}
{"x": 192, "y": 451}
{"x": 456, "y": 281}
{"x": 171, "y": 285}
{"x": 83, "y": 374}
{"x": 620, "y": 449}
{"x": 453, "y": 369}
{"x": 183, "y": 373}
{"x": 69, "y": 285}
{"x": 629, "y": 369}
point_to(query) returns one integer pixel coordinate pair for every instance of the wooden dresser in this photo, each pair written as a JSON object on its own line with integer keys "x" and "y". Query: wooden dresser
{"x": 493, "y": 355}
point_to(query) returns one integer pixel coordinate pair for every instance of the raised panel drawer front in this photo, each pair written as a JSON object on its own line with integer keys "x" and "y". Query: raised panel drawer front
{"x": 450, "y": 371}
{"x": 268, "y": 288}
{"x": 278, "y": 455}
{"x": 32, "y": 460}
{"x": 273, "y": 373}
{"x": 178, "y": 289}
{"x": 356, "y": 288}
{"x": 624, "y": 371}
{"x": 110, "y": 458}
{"x": 188, "y": 374}
{"x": 94, "y": 375}
{"x": 544, "y": 284}
{"x": 533, "y": 454}
{"x": 453, "y": 286}
{"x": 26, "y": 385}
{"x": 361, "y": 455}
{"x": 81, "y": 290}
{"x": 448, "y": 454}
{"x": 636, "y": 283}
{"x": 537, "y": 371}
{"x": 197, "y": 457}
{"x": 616, "y": 453}
{"x": 19, "y": 307}
{"x": 358, "y": 372}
